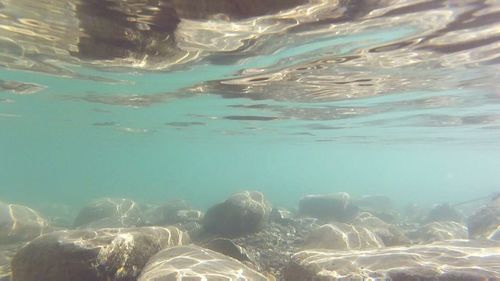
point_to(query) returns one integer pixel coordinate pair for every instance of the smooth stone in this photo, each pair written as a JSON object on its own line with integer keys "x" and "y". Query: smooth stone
{"x": 109, "y": 212}
{"x": 196, "y": 263}
{"x": 457, "y": 260}
{"x": 440, "y": 231}
{"x": 341, "y": 236}
{"x": 328, "y": 207}
{"x": 112, "y": 254}
{"x": 390, "y": 234}
{"x": 242, "y": 213}
{"x": 19, "y": 223}
{"x": 485, "y": 222}
{"x": 229, "y": 248}
{"x": 444, "y": 212}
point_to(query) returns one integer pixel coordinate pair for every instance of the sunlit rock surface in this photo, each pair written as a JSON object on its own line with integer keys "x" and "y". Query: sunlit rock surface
{"x": 486, "y": 221}
{"x": 328, "y": 207}
{"x": 99, "y": 255}
{"x": 19, "y": 223}
{"x": 341, "y": 236}
{"x": 195, "y": 263}
{"x": 109, "y": 212}
{"x": 391, "y": 235}
{"x": 458, "y": 260}
{"x": 438, "y": 231}
{"x": 242, "y": 213}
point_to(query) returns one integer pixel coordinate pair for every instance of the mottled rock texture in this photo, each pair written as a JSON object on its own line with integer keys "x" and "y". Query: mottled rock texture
{"x": 341, "y": 236}
{"x": 196, "y": 263}
{"x": 458, "y": 260}
{"x": 113, "y": 254}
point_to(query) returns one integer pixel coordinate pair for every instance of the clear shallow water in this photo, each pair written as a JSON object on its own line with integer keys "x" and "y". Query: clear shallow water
{"x": 370, "y": 97}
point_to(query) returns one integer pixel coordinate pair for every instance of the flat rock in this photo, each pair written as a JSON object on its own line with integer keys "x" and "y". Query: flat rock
{"x": 439, "y": 231}
{"x": 109, "y": 212}
{"x": 19, "y": 223}
{"x": 328, "y": 207}
{"x": 113, "y": 254}
{"x": 242, "y": 213}
{"x": 486, "y": 221}
{"x": 458, "y": 260}
{"x": 196, "y": 263}
{"x": 341, "y": 236}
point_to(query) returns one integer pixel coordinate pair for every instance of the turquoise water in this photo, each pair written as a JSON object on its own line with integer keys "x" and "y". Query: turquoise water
{"x": 153, "y": 133}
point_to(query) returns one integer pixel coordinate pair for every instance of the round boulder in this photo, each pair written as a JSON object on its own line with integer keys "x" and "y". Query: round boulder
{"x": 109, "y": 212}
{"x": 242, "y": 213}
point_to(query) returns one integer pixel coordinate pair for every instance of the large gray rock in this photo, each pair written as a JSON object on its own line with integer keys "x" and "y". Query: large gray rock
{"x": 457, "y": 260}
{"x": 113, "y": 254}
{"x": 341, "y": 236}
{"x": 19, "y": 223}
{"x": 328, "y": 207}
{"x": 486, "y": 221}
{"x": 242, "y": 213}
{"x": 195, "y": 263}
{"x": 109, "y": 212}
{"x": 390, "y": 234}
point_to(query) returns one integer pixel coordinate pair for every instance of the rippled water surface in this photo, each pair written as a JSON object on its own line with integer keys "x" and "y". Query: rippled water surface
{"x": 200, "y": 98}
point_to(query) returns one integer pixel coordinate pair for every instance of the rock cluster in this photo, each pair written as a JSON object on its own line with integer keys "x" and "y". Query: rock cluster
{"x": 331, "y": 237}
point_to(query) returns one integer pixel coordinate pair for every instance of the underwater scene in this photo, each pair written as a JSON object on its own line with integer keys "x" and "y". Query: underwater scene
{"x": 249, "y": 140}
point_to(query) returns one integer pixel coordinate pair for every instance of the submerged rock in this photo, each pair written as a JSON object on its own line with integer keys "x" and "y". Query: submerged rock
{"x": 458, "y": 260}
{"x": 485, "y": 222}
{"x": 113, "y": 254}
{"x": 109, "y": 212}
{"x": 229, "y": 248}
{"x": 444, "y": 212}
{"x": 439, "y": 231}
{"x": 168, "y": 213}
{"x": 19, "y": 223}
{"x": 6, "y": 254}
{"x": 390, "y": 234}
{"x": 341, "y": 236}
{"x": 281, "y": 215}
{"x": 328, "y": 207}
{"x": 196, "y": 263}
{"x": 242, "y": 213}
